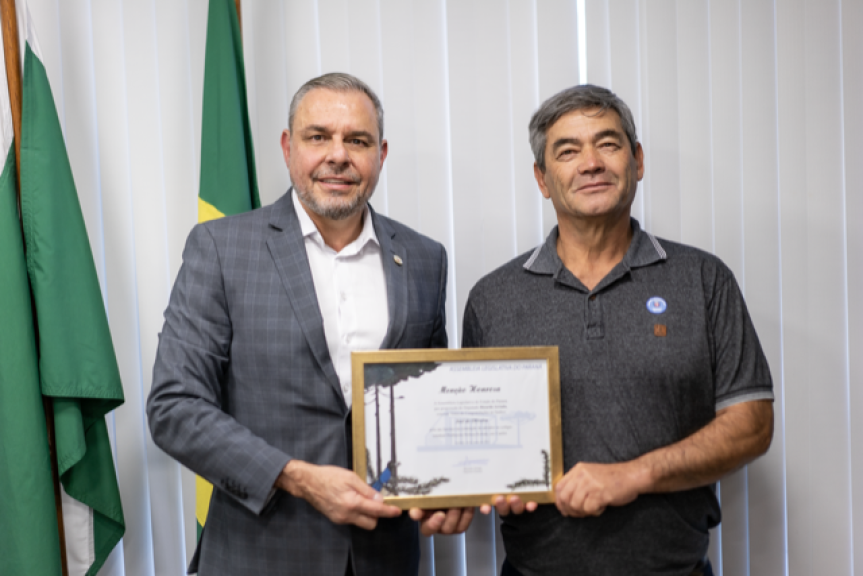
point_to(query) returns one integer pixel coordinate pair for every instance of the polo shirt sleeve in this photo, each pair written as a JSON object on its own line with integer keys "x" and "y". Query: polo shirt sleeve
{"x": 740, "y": 369}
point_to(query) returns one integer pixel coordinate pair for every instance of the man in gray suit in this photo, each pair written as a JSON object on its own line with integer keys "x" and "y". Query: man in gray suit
{"x": 251, "y": 387}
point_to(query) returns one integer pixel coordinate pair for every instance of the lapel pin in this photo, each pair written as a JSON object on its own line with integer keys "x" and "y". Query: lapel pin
{"x": 657, "y": 305}
{"x": 398, "y": 259}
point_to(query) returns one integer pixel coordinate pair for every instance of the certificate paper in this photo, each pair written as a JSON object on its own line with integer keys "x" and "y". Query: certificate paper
{"x": 445, "y": 428}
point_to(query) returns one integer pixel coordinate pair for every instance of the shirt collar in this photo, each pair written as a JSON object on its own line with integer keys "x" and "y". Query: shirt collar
{"x": 644, "y": 250}
{"x": 310, "y": 230}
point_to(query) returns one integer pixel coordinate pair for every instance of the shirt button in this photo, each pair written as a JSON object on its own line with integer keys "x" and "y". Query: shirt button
{"x": 592, "y": 298}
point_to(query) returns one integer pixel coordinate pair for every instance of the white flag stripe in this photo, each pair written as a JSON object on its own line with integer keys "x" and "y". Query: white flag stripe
{"x": 78, "y": 526}
{"x": 26, "y": 31}
{"x": 6, "y": 131}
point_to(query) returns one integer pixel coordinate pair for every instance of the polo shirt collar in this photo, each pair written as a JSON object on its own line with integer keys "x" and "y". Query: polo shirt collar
{"x": 644, "y": 250}
{"x": 309, "y": 230}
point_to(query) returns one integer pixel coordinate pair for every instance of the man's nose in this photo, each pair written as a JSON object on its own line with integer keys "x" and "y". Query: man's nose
{"x": 591, "y": 161}
{"x": 337, "y": 153}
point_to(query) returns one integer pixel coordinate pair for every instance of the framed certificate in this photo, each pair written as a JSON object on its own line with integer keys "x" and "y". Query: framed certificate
{"x": 450, "y": 428}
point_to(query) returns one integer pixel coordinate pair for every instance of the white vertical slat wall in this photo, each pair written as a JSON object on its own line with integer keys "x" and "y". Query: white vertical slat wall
{"x": 852, "y": 134}
{"x": 749, "y": 114}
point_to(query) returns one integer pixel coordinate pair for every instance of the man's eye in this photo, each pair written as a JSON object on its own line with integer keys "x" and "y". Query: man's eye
{"x": 357, "y": 142}
{"x": 316, "y": 137}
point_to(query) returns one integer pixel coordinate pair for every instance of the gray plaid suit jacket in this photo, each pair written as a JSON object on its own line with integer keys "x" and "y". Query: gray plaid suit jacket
{"x": 243, "y": 382}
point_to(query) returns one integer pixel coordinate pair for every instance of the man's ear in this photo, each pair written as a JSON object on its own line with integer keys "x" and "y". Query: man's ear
{"x": 639, "y": 160}
{"x": 540, "y": 180}
{"x": 286, "y": 145}
{"x": 384, "y": 151}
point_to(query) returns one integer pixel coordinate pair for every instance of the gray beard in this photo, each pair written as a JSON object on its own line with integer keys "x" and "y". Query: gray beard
{"x": 337, "y": 212}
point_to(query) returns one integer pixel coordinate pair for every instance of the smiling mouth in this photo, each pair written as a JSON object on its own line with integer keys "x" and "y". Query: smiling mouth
{"x": 336, "y": 179}
{"x": 336, "y": 185}
{"x": 593, "y": 186}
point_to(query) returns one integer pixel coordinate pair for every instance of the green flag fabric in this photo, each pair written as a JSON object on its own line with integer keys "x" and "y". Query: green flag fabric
{"x": 77, "y": 366}
{"x": 228, "y": 181}
{"x": 28, "y": 521}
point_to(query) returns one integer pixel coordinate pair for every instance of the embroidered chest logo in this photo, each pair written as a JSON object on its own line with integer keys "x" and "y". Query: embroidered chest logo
{"x": 656, "y": 305}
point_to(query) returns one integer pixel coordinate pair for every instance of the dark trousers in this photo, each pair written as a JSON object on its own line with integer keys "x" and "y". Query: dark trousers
{"x": 509, "y": 570}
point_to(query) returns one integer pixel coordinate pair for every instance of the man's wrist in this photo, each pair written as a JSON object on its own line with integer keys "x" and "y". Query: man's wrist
{"x": 643, "y": 474}
{"x": 291, "y": 477}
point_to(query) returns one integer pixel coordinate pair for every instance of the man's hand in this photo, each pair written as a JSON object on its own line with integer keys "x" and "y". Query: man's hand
{"x": 589, "y": 488}
{"x": 336, "y": 493}
{"x": 506, "y": 505}
{"x": 452, "y": 521}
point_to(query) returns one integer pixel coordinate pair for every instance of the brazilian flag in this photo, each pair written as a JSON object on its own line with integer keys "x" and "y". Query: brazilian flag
{"x": 228, "y": 182}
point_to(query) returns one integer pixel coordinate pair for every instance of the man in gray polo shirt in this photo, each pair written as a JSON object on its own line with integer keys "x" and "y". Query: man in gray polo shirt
{"x": 664, "y": 386}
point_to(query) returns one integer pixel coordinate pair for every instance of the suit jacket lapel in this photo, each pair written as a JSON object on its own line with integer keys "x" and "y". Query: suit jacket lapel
{"x": 288, "y": 250}
{"x": 394, "y": 258}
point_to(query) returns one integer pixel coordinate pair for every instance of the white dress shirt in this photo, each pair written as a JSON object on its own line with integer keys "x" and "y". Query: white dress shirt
{"x": 351, "y": 290}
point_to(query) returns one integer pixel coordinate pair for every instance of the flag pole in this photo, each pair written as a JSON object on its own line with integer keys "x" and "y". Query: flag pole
{"x": 13, "y": 74}
{"x": 239, "y": 4}
{"x": 11, "y": 53}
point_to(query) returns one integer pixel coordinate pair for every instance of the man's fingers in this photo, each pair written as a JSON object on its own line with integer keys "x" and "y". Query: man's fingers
{"x": 465, "y": 520}
{"x": 512, "y": 504}
{"x": 369, "y": 501}
{"x": 562, "y": 496}
{"x": 374, "y": 508}
{"x": 561, "y": 506}
{"x": 344, "y": 498}
{"x": 432, "y": 524}
{"x": 565, "y": 502}
{"x": 365, "y": 522}
{"x": 569, "y": 493}
{"x": 592, "y": 506}
{"x": 516, "y": 506}
{"x": 580, "y": 503}
{"x": 451, "y": 520}
{"x": 501, "y": 505}
{"x": 362, "y": 488}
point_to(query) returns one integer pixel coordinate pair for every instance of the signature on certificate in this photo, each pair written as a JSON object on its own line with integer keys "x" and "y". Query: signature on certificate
{"x": 468, "y": 462}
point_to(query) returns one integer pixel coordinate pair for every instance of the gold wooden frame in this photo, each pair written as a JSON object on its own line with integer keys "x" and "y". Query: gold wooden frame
{"x": 549, "y": 353}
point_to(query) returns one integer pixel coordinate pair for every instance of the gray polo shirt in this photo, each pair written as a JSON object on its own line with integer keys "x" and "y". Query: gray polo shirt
{"x": 646, "y": 358}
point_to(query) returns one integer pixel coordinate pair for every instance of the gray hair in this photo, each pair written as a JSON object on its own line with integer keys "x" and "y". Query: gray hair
{"x": 576, "y": 98}
{"x": 338, "y": 82}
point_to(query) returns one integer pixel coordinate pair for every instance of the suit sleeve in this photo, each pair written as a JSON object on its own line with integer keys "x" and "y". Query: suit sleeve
{"x": 439, "y": 337}
{"x": 185, "y": 403}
